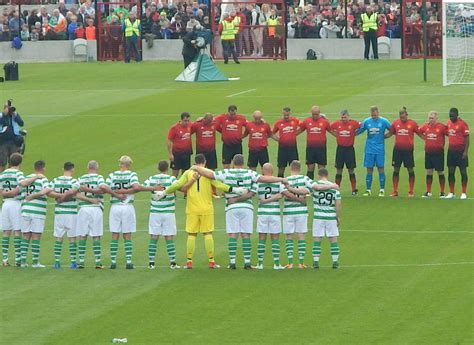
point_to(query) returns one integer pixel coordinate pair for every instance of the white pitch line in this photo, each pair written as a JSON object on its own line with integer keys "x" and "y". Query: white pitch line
{"x": 342, "y": 267}
{"x": 241, "y": 93}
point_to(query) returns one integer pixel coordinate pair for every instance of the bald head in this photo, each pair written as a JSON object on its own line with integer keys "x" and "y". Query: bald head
{"x": 315, "y": 111}
{"x": 295, "y": 167}
{"x": 93, "y": 166}
{"x": 257, "y": 116}
{"x": 208, "y": 118}
{"x": 267, "y": 169}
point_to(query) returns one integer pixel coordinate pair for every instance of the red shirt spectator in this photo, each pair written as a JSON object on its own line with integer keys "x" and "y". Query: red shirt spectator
{"x": 80, "y": 32}
{"x": 404, "y": 133}
{"x": 205, "y": 135}
{"x": 287, "y": 131}
{"x": 345, "y": 132}
{"x": 258, "y": 135}
{"x": 457, "y": 133}
{"x": 434, "y": 136}
{"x": 316, "y": 128}
{"x": 230, "y": 126}
{"x": 180, "y": 136}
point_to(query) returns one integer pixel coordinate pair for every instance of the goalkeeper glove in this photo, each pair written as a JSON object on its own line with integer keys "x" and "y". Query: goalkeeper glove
{"x": 158, "y": 195}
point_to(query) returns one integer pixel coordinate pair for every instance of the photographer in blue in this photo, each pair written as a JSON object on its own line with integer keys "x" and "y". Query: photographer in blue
{"x": 10, "y": 136}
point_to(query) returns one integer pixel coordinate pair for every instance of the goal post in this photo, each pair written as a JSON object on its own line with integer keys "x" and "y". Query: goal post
{"x": 458, "y": 42}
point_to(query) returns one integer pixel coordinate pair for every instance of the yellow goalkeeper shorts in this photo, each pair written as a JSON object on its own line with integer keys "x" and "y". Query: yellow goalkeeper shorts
{"x": 195, "y": 223}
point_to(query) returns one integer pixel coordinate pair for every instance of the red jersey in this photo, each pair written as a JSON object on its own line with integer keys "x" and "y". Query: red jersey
{"x": 181, "y": 138}
{"x": 404, "y": 134}
{"x": 315, "y": 131}
{"x": 433, "y": 136}
{"x": 287, "y": 131}
{"x": 345, "y": 132}
{"x": 457, "y": 133}
{"x": 231, "y": 128}
{"x": 205, "y": 136}
{"x": 258, "y": 135}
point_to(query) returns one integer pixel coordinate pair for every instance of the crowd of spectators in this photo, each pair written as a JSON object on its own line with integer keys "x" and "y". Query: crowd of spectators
{"x": 61, "y": 23}
{"x": 163, "y": 20}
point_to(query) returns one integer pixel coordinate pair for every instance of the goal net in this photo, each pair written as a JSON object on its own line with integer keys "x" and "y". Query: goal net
{"x": 458, "y": 42}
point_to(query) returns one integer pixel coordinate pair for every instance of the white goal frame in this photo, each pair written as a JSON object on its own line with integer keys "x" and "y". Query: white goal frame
{"x": 445, "y": 56}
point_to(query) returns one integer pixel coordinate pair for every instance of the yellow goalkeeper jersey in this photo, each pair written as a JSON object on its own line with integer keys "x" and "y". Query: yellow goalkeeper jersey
{"x": 199, "y": 194}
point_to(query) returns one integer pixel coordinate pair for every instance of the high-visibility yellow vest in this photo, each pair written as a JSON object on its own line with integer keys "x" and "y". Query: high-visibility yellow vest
{"x": 236, "y": 22}
{"x": 131, "y": 29}
{"x": 272, "y": 25}
{"x": 369, "y": 23}
{"x": 228, "y": 31}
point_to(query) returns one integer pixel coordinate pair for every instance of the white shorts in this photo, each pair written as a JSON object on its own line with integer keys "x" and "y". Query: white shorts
{"x": 11, "y": 215}
{"x": 90, "y": 221}
{"x": 32, "y": 224}
{"x": 163, "y": 224}
{"x": 65, "y": 224}
{"x": 239, "y": 220}
{"x": 268, "y": 224}
{"x": 122, "y": 219}
{"x": 295, "y": 224}
{"x": 326, "y": 228}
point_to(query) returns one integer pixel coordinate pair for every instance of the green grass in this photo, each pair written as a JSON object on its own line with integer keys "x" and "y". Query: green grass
{"x": 406, "y": 264}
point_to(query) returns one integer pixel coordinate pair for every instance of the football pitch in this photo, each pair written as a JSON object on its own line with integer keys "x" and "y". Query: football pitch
{"x": 406, "y": 274}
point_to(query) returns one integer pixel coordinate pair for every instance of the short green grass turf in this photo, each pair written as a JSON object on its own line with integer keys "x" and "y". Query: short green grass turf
{"x": 406, "y": 264}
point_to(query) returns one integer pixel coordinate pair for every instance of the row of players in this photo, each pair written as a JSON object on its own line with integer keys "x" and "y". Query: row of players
{"x": 234, "y": 127}
{"x": 79, "y": 211}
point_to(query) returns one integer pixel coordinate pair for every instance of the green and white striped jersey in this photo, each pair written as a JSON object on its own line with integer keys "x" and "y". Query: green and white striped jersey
{"x": 93, "y": 181}
{"x": 10, "y": 179}
{"x": 122, "y": 180}
{"x": 294, "y": 208}
{"x": 63, "y": 184}
{"x": 238, "y": 178}
{"x": 167, "y": 204}
{"x": 266, "y": 191}
{"x": 325, "y": 202}
{"x": 36, "y": 208}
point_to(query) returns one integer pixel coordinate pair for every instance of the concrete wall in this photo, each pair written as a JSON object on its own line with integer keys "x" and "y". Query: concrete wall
{"x": 336, "y": 48}
{"x": 163, "y": 50}
{"x": 43, "y": 51}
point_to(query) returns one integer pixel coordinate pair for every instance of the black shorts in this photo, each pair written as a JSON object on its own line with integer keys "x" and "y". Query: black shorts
{"x": 434, "y": 160}
{"x": 286, "y": 155}
{"x": 229, "y": 151}
{"x": 455, "y": 159}
{"x": 182, "y": 161}
{"x": 211, "y": 159}
{"x": 258, "y": 157}
{"x": 316, "y": 155}
{"x": 345, "y": 155}
{"x": 403, "y": 156}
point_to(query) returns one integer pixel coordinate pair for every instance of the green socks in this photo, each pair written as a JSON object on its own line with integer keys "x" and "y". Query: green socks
{"x": 113, "y": 251}
{"x": 128, "y": 251}
{"x": 316, "y": 250}
{"x": 97, "y": 252}
{"x": 5, "y": 246}
{"x": 17, "y": 244}
{"x": 232, "y": 247}
{"x": 301, "y": 250}
{"x": 24, "y": 249}
{"x": 171, "y": 249}
{"x": 57, "y": 251}
{"x": 152, "y": 250}
{"x": 35, "y": 250}
{"x": 276, "y": 252}
{"x": 73, "y": 251}
{"x": 289, "y": 250}
{"x": 335, "y": 251}
{"x": 247, "y": 249}
{"x": 260, "y": 251}
{"x": 82, "y": 250}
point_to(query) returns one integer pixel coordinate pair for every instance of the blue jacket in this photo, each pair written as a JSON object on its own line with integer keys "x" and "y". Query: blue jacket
{"x": 16, "y": 124}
